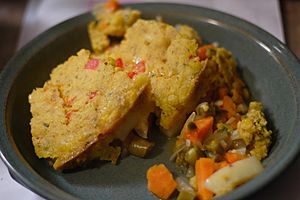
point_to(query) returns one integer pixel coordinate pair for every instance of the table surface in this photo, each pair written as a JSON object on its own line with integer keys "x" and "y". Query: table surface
{"x": 281, "y": 18}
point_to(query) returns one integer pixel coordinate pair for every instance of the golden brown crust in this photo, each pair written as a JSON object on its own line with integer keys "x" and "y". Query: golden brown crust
{"x": 82, "y": 104}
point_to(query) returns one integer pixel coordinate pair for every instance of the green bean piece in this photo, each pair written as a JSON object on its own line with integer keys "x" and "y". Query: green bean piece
{"x": 140, "y": 147}
{"x": 184, "y": 195}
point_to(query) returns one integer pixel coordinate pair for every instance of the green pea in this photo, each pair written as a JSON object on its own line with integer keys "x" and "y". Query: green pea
{"x": 192, "y": 155}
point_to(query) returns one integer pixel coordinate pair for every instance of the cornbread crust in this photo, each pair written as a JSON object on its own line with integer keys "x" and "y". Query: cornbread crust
{"x": 101, "y": 149}
{"x": 172, "y": 65}
{"x": 78, "y": 106}
{"x": 110, "y": 23}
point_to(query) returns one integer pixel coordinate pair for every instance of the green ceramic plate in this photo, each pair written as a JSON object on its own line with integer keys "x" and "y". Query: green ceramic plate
{"x": 268, "y": 67}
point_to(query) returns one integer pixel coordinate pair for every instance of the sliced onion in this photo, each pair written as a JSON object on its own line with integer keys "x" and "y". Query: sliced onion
{"x": 183, "y": 185}
{"x": 190, "y": 172}
{"x": 239, "y": 151}
{"x": 235, "y": 135}
{"x": 188, "y": 143}
{"x": 174, "y": 155}
{"x": 230, "y": 120}
{"x": 202, "y": 106}
{"x": 219, "y": 103}
{"x": 231, "y": 176}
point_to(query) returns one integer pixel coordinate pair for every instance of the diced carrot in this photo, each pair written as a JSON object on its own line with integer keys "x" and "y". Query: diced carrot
{"x": 204, "y": 167}
{"x": 233, "y": 157}
{"x": 92, "y": 64}
{"x": 202, "y": 127}
{"x": 222, "y": 91}
{"x": 202, "y": 51}
{"x": 160, "y": 181}
{"x": 112, "y": 5}
{"x": 221, "y": 164}
{"x": 229, "y": 106}
{"x": 119, "y": 63}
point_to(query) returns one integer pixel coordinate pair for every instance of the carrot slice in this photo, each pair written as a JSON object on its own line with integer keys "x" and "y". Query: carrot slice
{"x": 233, "y": 157}
{"x": 202, "y": 51}
{"x": 229, "y": 106}
{"x": 204, "y": 167}
{"x": 222, "y": 91}
{"x": 221, "y": 164}
{"x": 202, "y": 127}
{"x": 160, "y": 181}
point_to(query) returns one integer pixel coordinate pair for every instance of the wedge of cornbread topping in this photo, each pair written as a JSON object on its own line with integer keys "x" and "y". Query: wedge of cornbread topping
{"x": 170, "y": 60}
{"x": 85, "y": 101}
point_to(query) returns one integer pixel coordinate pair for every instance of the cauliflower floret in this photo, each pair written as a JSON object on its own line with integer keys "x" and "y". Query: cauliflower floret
{"x": 254, "y": 132}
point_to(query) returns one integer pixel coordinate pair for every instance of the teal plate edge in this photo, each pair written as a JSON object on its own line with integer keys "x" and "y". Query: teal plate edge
{"x": 18, "y": 167}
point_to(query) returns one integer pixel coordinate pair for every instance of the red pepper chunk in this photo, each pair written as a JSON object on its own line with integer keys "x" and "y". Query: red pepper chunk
{"x": 92, "y": 64}
{"x": 140, "y": 67}
{"x": 119, "y": 63}
{"x": 202, "y": 51}
{"x": 131, "y": 74}
{"x": 69, "y": 102}
{"x": 93, "y": 94}
{"x": 68, "y": 116}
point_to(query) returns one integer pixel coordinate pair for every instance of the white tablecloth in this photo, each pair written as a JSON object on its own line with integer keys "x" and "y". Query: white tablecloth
{"x": 42, "y": 14}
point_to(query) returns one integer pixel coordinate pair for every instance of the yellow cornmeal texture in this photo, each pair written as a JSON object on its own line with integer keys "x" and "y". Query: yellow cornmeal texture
{"x": 77, "y": 105}
{"x": 254, "y": 132}
{"x": 189, "y": 32}
{"x": 110, "y": 23}
{"x": 171, "y": 63}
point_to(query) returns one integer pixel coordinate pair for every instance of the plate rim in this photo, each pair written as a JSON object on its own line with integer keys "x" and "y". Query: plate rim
{"x": 11, "y": 71}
